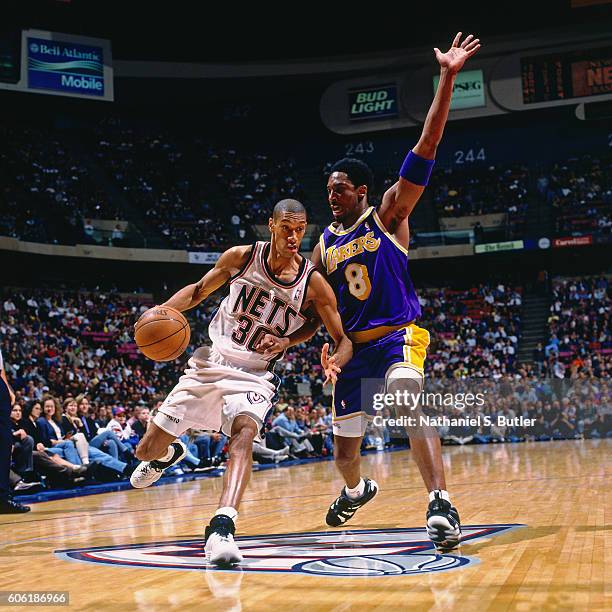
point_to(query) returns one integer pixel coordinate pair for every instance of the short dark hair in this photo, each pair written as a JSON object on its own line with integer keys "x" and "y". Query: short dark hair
{"x": 287, "y": 206}
{"x": 358, "y": 171}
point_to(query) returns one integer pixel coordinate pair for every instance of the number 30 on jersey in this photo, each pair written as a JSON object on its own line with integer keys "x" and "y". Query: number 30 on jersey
{"x": 358, "y": 281}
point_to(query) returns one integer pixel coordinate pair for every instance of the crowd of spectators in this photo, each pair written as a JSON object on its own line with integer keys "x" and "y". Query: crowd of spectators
{"x": 47, "y": 191}
{"x": 480, "y": 189}
{"x": 172, "y": 181}
{"x": 159, "y": 175}
{"x": 579, "y": 191}
{"x": 254, "y": 182}
{"x": 475, "y": 332}
{"x": 71, "y": 359}
{"x": 200, "y": 196}
{"x": 580, "y": 340}
{"x": 523, "y": 407}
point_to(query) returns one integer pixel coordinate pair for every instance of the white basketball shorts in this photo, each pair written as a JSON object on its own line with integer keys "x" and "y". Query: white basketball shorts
{"x": 212, "y": 393}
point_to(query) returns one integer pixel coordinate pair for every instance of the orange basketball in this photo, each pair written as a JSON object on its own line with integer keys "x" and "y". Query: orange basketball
{"x": 162, "y": 333}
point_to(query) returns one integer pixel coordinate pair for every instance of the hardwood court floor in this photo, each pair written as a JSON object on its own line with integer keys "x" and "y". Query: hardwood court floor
{"x": 559, "y": 490}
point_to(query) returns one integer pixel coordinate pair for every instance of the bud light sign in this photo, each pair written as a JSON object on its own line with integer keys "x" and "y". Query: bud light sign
{"x": 468, "y": 90}
{"x": 65, "y": 67}
{"x": 373, "y": 103}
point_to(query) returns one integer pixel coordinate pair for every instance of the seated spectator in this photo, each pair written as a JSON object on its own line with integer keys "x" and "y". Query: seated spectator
{"x": 58, "y": 470}
{"x": 263, "y": 454}
{"x": 293, "y": 436}
{"x": 480, "y": 189}
{"x": 103, "y": 439}
{"x": 210, "y": 445}
{"x": 23, "y": 444}
{"x": 119, "y": 426}
{"x": 139, "y": 426}
{"x": 60, "y": 430}
{"x": 30, "y": 415}
{"x": 321, "y": 432}
{"x": 376, "y": 436}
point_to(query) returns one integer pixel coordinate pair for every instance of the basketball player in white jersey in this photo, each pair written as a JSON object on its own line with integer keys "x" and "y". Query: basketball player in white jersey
{"x": 231, "y": 386}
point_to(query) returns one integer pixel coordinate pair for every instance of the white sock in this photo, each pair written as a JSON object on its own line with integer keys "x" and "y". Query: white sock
{"x": 168, "y": 454}
{"x": 228, "y": 511}
{"x": 357, "y": 491}
{"x": 442, "y": 492}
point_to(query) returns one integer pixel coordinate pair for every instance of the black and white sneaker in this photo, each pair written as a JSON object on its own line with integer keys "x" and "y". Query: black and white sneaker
{"x": 149, "y": 472}
{"x": 443, "y": 525}
{"x": 344, "y": 507}
{"x": 208, "y": 463}
{"x": 219, "y": 544}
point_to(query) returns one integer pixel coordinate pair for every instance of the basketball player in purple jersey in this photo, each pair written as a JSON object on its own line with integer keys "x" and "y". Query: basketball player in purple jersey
{"x": 364, "y": 255}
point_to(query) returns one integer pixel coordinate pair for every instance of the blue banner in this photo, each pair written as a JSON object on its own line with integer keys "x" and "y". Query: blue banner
{"x": 65, "y": 67}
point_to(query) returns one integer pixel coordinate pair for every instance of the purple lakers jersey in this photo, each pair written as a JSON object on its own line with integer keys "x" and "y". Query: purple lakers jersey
{"x": 368, "y": 270}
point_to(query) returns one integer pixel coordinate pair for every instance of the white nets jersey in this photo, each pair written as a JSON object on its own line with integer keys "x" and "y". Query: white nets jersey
{"x": 258, "y": 303}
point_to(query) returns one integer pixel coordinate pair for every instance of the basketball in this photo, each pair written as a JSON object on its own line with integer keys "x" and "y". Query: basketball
{"x": 162, "y": 333}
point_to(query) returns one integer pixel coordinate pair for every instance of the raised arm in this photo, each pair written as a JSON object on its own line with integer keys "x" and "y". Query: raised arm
{"x": 400, "y": 199}
{"x": 228, "y": 265}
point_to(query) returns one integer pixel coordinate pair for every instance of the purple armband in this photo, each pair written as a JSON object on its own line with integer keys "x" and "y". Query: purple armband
{"x": 417, "y": 169}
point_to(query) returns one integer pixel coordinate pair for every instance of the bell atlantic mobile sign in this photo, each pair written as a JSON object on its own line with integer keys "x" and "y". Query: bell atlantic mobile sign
{"x": 69, "y": 67}
{"x": 64, "y": 65}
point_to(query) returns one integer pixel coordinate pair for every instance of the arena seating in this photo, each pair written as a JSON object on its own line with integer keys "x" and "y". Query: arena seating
{"x": 475, "y": 332}
{"x": 480, "y": 189}
{"x": 579, "y": 191}
{"x": 198, "y": 196}
{"x": 47, "y": 191}
{"x": 69, "y": 343}
{"x": 579, "y": 324}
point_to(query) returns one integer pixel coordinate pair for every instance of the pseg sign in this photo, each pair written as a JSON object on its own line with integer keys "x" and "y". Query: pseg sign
{"x": 468, "y": 90}
{"x": 372, "y": 103}
{"x": 65, "y": 67}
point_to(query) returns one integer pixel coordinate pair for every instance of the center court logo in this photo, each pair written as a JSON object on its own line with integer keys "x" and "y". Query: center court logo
{"x": 361, "y": 552}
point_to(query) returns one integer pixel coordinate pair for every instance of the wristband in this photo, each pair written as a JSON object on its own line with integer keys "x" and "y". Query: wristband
{"x": 416, "y": 169}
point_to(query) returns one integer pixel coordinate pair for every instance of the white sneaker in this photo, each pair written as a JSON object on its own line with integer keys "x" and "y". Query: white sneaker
{"x": 281, "y": 456}
{"x": 149, "y": 472}
{"x": 24, "y": 486}
{"x": 220, "y": 547}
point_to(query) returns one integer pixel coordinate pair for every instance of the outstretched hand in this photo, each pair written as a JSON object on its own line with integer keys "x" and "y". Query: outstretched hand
{"x": 329, "y": 365}
{"x": 455, "y": 57}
